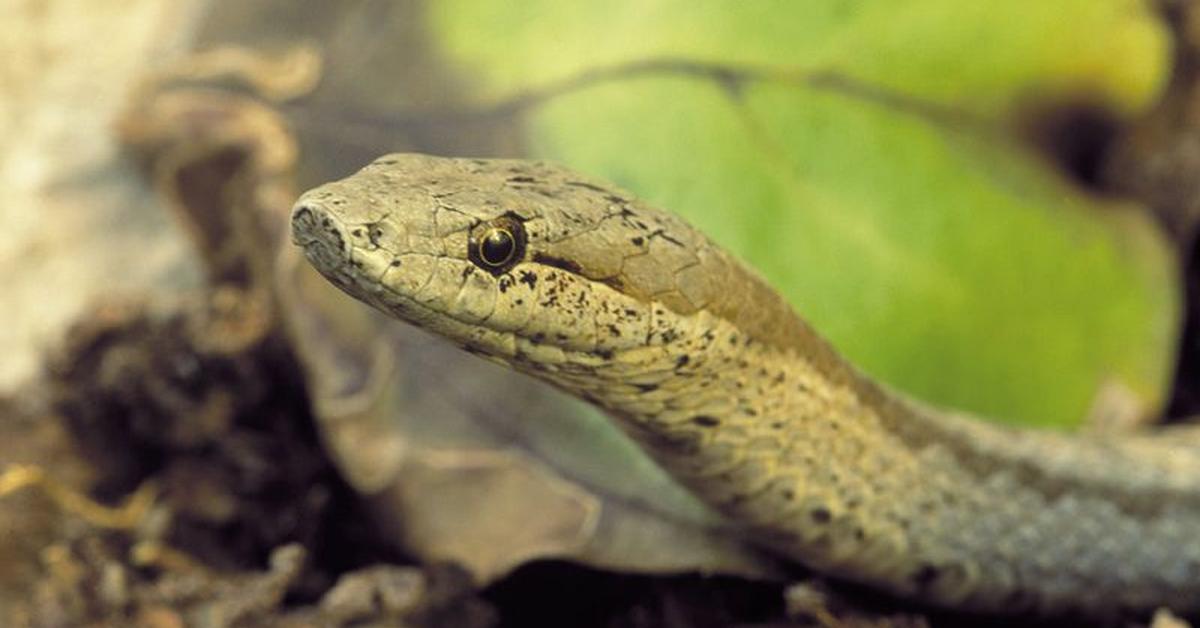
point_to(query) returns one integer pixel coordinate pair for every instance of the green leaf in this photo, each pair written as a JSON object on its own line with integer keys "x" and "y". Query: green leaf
{"x": 856, "y": 154}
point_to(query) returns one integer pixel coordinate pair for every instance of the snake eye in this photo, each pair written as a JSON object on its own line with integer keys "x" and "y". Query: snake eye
{"x": 497, "y": 245}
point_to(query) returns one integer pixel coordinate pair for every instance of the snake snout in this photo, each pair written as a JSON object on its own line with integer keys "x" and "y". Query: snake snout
{"x": 321, "y": 235}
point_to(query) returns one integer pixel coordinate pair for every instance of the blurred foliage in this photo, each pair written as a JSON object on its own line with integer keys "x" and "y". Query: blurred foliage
{"x": 863, "y": 156}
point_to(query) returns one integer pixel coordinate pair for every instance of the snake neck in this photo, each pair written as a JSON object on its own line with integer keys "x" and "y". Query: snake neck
{"x": 824, "y": 465}
{"x": 725, "y": 412}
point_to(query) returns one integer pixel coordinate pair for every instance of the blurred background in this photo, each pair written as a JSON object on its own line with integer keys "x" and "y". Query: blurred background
{"x": 988, "y": 207}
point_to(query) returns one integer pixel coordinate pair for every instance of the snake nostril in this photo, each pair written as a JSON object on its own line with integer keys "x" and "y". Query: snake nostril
{"x": 322, "y": 237}
{"x": 312, "y": 224}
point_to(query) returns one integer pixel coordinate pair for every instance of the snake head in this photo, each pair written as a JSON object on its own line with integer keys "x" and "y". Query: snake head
{"x": 504, "y": 257}
{"x": 525, "y": 262}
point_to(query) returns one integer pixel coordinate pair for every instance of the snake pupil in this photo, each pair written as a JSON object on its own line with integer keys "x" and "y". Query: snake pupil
{"x": 497, "y": 247}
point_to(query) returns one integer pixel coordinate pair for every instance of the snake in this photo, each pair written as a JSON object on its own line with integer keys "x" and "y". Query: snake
{"x": 580, "y": 284}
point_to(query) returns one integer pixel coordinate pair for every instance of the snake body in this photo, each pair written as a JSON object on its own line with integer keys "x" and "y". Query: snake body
{"x": 580, "y": 284}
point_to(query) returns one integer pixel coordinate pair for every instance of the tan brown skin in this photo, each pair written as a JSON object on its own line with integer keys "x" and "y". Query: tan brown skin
{"x": 630, "y": 308}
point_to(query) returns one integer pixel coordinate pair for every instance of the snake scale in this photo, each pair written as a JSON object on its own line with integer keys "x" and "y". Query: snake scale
{"x": 580, "y": 284}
